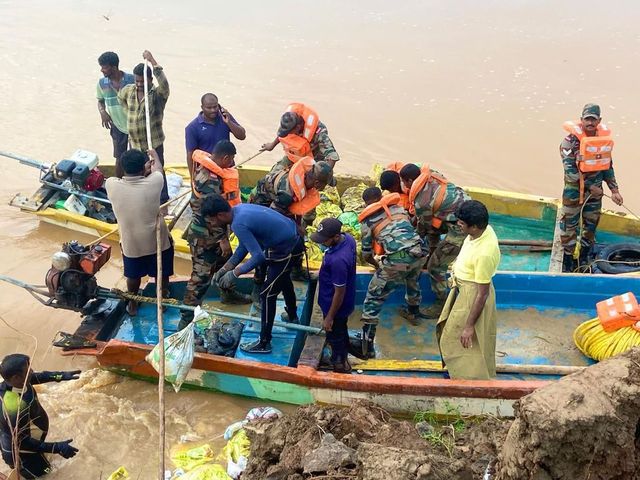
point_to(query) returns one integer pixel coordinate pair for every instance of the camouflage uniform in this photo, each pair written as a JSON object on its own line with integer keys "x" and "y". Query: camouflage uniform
{"x": 204, "y": 240}
{"x": 401, "y": 263}
{"x": 321, "y": 147}
{"x": 443, "y": 252}
{"x": 571, "y": 205}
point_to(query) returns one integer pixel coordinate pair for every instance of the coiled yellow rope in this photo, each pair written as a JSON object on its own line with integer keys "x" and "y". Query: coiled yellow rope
{"x": 594, "y": 342}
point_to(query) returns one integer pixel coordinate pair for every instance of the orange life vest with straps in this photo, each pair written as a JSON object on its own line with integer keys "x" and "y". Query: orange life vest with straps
{"x": 404, "y": 195}
{"x": 230, "y": 177}
{"x": 305, "y": 199}
{"x": 417, "y": 186}
{"x": 383, "y": 204}
{"x": 298, "y": 146}
{"x": 595, "y": 152}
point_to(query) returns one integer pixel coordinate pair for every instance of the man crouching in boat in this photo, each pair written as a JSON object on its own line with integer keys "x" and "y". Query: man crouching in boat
{"x": 24, "y": 417}
{"x": 387, "y": 231}
{"x": 271, "y": 239}
{"x": 213, "y": 174}
{"x": 466, "y": 329}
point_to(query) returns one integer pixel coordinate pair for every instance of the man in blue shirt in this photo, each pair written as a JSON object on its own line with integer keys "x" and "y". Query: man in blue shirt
{"x": 337, "y": 288}
{"x": 271, "y": 239}
{"x": 213, "y": 123}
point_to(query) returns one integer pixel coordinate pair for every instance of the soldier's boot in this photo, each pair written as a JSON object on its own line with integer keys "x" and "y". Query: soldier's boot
{"x": 413, "y": 314}
{"x": 289, "y": 317}
{"x": 232, "y": 297}
{"x": 368, "y": 336}
{"x": 255, "y": 297}
{"x": 583, "y": 259}
{"x": 434, "y": 310}
{"x": 299, "y": 274}
{"x": 568, "y": 263}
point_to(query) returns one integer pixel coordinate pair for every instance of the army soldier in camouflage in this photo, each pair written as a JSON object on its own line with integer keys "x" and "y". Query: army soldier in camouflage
{"x": 274, "y": 190}
{"x": 434, "y": 201}
{"x": 293, "y": 123}
{"x": 582, "y": 193}
{"x": 209, "y": 242}
{"x": 402, "y": 256}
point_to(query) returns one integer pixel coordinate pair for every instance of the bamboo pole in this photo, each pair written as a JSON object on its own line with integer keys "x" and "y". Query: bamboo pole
{"x": 159, "y": 221}
{"x": 161, "y": 403}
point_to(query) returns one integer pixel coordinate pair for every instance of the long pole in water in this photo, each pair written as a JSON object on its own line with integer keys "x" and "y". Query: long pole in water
{"x": 159, "y": 286}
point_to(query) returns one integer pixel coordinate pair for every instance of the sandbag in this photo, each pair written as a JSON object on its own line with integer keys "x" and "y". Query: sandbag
{"x": 178, "y": 353}
{"x": 188, "y": 458}
{"x": 352, "y": 199}
{"x": 120, "y": 474}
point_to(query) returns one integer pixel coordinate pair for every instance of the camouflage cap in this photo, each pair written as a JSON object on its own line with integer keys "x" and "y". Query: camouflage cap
{"x": 288, "y": 122}
{"x": 591, "y": 110}
{"x": 323, "y": 172}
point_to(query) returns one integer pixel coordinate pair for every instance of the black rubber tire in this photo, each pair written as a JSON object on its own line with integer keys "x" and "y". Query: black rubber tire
{"x": 618, "y": 249}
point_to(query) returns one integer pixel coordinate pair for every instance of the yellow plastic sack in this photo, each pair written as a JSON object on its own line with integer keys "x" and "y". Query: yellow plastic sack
{"x": 376, "y": 171}
{"x": 211, "y": 471}
{"x": 330, "y": 194}
{"x": 352, "y": 199}
{"x": 190, "y": 458}
{"x": 326, "y": 210}
{"x": 119, "y": 474}
{"x": 238, "y": 446}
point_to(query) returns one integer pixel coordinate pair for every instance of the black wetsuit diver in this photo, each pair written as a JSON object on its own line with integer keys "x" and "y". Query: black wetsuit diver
{"x": 33, "y": 425}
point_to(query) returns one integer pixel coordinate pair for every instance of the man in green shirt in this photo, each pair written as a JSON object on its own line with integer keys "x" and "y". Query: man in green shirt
{"x": 112, "y": 115}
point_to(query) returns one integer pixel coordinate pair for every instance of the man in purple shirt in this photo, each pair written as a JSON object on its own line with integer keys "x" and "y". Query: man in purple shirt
{"x": 213, "y": 123}
{"x": 337, "y": 288}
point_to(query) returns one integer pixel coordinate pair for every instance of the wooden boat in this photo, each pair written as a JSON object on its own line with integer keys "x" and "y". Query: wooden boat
{"x": 537, "y": 315}
{"x": 525, "y": 223}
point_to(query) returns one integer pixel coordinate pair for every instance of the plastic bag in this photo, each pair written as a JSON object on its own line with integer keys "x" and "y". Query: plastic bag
{"x": 189, "y": 458}
{"x": 262, "y": 413}
{"x": 236, "y": 453}
{"x": 178, "y": 351}
{"x": 120, "y": 474}
{"x": 174, "y": 183}
{"x": 212, "y": 471}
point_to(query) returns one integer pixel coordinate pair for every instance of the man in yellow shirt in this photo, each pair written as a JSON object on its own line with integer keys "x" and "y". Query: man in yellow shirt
{"x": 466, "y": 328}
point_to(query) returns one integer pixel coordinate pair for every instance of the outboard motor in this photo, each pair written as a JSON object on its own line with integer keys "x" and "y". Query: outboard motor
{"x": 71, "y": 279}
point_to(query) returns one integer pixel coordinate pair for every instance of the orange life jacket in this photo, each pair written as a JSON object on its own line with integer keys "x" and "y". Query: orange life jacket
{"x": 298, "y": 146}
{"x": 619, "y": 311}
{"x": 404, "y": 195}
{"x": 595, "y": 152}
{"x": 383, "y": 204}
{"x": 230, "y": 177}
{"x": 305, "y": 199}
{"x": 417, "y": 186}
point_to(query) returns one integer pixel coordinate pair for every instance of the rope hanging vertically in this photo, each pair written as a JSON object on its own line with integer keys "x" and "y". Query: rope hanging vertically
{"x": 159, "y": 287}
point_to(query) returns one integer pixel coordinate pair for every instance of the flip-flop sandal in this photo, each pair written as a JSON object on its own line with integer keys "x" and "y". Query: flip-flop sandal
{"x": 132, "y": 308}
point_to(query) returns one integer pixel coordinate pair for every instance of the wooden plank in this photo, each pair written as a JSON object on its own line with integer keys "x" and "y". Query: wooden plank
{"x": 382, "y": 365}
{"x": 555, "y": 264}
{"x": 312, "y": 351}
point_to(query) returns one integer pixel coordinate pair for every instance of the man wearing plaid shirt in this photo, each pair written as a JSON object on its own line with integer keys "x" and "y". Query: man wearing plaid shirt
{"x": 132, "y": 99}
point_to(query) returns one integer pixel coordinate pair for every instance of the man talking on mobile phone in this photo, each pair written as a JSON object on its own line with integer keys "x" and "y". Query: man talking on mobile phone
{"x": 213, "y": 123}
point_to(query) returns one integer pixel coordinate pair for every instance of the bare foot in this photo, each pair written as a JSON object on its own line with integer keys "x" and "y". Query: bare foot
{"x": 132, "y": 308}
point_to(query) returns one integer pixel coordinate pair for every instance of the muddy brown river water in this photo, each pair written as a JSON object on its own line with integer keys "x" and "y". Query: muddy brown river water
{"x": 477, "y": 89}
